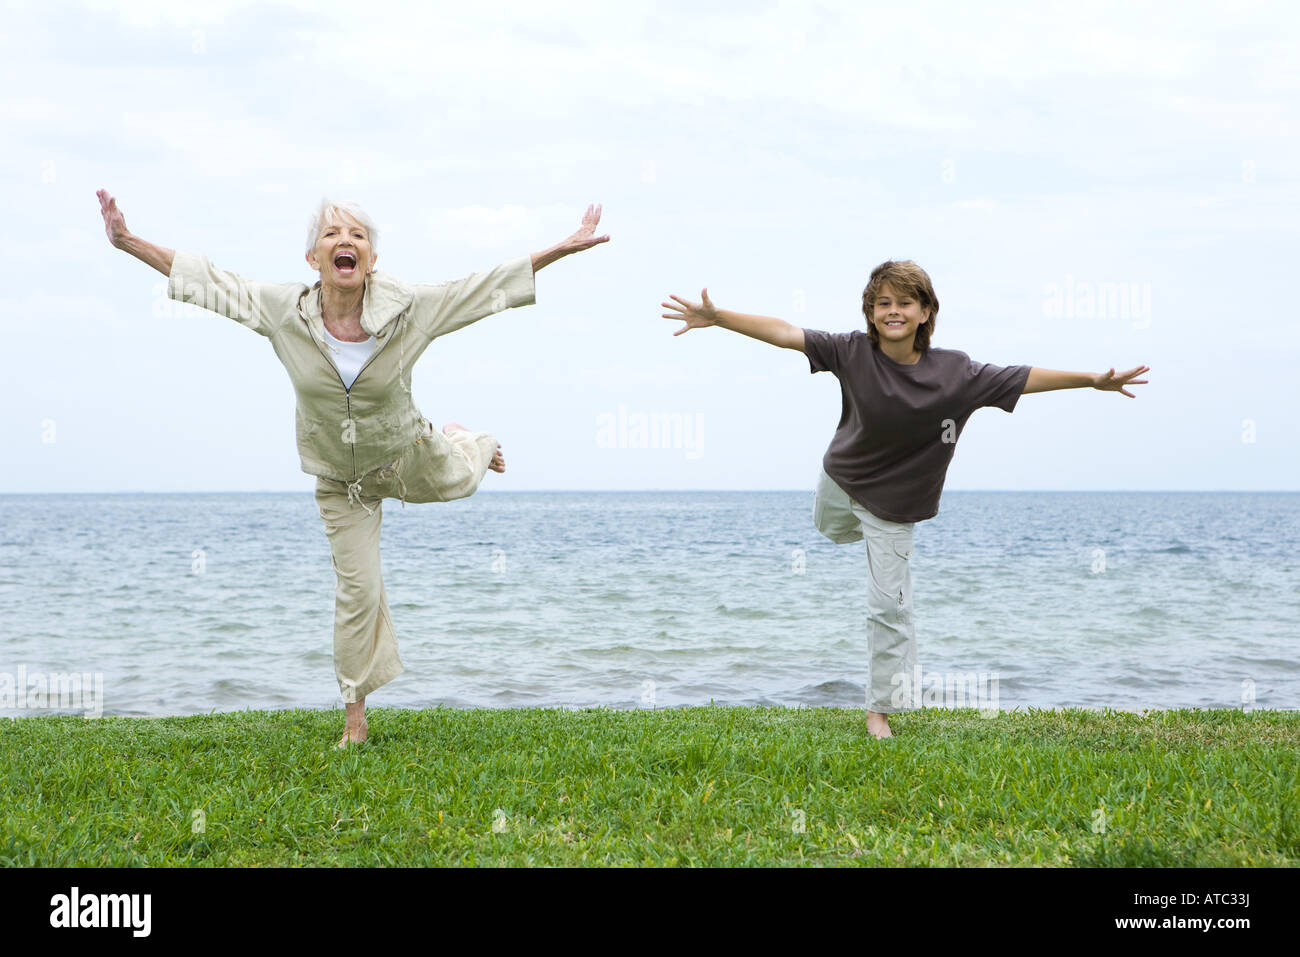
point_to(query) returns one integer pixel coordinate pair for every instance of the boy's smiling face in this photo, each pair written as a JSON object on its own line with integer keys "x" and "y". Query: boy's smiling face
{"x": 897, "y": 317}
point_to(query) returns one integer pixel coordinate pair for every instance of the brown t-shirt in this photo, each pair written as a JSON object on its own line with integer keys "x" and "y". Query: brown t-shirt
{"x": 900, "y": 423}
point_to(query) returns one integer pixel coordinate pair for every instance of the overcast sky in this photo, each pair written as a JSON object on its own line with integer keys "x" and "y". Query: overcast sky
{"x": 1088, "y": 185}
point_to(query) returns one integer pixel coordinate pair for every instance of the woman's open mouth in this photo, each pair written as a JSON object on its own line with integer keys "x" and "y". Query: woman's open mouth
{"x": 346, "y": 263}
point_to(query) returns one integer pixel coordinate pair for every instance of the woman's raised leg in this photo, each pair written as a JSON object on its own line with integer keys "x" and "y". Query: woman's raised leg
{"x": 444, "y": 466}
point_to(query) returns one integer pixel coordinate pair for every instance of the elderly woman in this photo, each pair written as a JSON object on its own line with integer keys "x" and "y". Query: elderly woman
{"x": 348, "y": 343}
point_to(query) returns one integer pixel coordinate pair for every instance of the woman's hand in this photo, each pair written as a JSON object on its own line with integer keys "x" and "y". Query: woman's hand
{"x": 584, "y": 238}
{"x": 114, "y": 221}
{"x": 696, "y": 314}
{"x": 1109, "y": 382}
{"x": 115, "y": 225}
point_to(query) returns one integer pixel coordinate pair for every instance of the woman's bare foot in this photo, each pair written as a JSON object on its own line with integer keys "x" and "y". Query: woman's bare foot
{"x": 878, "y": 724}
{"x": 498, "y": 463}
{"x": 355, "y": 729}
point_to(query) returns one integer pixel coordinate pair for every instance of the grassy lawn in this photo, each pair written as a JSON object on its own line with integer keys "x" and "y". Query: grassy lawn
{"x": 697, "y": 786}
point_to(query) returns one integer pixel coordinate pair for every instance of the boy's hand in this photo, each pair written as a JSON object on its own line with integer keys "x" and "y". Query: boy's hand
{"x": 696, "y": 314}
{"x": 1109, "y": 382}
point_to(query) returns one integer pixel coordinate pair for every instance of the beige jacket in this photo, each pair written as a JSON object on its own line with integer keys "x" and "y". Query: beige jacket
{"x": 345, "y": 433}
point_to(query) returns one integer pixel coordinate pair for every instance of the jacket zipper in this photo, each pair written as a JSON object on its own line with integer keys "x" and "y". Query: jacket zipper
{"x": 347, "y": 392}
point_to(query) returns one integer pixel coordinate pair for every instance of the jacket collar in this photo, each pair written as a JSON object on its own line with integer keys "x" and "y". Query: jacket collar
{"x": 386, "y": 297}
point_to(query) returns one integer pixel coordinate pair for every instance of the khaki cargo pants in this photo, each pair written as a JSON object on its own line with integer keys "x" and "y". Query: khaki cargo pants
{"x": 891, "y": 632}
{"x": 436, "y": 468}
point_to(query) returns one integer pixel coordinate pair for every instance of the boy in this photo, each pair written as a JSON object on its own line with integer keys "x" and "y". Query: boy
{"x": 904, "y": 406}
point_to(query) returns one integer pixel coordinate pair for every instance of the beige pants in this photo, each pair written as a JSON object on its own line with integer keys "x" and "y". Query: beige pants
{"x": 891, "y": 632}
{"x": 436, "y": 468}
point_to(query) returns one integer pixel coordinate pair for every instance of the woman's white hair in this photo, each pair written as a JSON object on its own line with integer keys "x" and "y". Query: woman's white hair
{"x": 328, "y": 208}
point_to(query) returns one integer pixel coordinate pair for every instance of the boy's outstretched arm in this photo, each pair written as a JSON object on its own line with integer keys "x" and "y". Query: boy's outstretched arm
{"x": 1046, "y": 380}
{"x": 778, "y": 332}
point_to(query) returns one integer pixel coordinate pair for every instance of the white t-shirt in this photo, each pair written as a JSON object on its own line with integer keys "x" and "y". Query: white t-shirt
{"x": 349, "y": 356}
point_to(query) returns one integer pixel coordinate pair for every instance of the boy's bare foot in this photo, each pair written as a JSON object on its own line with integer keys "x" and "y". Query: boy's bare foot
{"x": 878, "y": 724}
{"x": 355, "y": 729}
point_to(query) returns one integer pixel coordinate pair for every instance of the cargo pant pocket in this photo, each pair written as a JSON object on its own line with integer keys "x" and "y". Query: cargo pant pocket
{"x": 889, "y": 565}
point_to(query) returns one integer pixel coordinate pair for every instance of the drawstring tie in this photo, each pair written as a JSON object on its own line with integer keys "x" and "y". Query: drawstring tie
{"x": 383, "y": 474}
{"x": 354, "y": 496}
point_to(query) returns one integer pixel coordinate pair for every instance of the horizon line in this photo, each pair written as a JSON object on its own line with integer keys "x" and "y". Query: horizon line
{"x": 626, "y": 491}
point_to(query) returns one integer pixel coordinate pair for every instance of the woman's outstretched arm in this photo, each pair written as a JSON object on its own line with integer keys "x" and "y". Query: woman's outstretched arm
{"x": 768, "y": 329}
{"x": 121, "y": 237}
{"x": 1047, "y": 380}
{"x": 584, "y": 238}
{"x": 191, "y": 278}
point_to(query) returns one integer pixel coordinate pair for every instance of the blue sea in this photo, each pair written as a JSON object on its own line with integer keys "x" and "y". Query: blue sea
{"x": 191, "y": 603}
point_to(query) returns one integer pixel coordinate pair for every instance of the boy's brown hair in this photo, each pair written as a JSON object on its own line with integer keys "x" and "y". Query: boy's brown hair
{"x": 907, "y": 279}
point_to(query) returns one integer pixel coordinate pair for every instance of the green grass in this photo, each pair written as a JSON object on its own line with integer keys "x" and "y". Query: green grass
{"x": 697, "y": 786}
